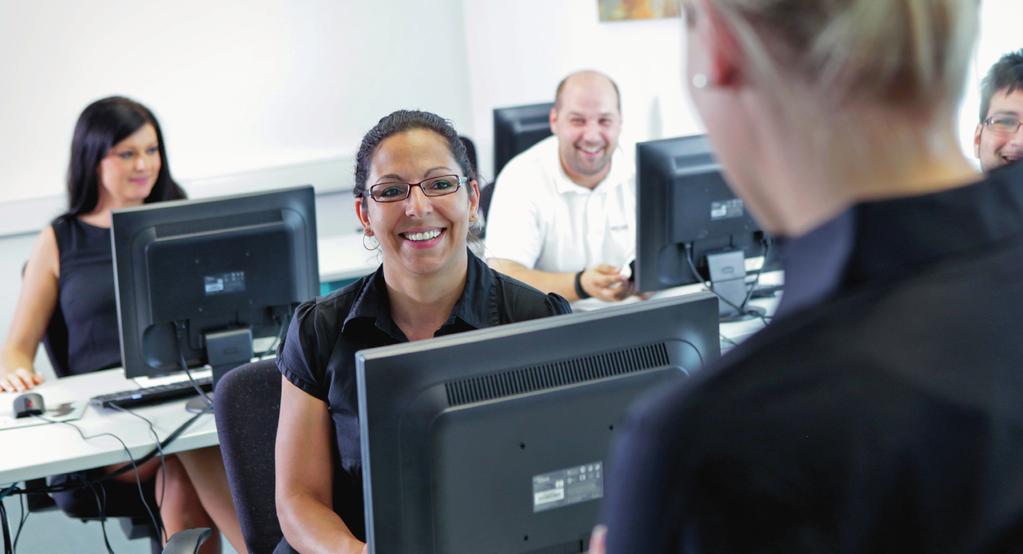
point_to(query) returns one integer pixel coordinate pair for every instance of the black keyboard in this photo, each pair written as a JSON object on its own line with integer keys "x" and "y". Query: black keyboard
{"x": 151, "y": 395}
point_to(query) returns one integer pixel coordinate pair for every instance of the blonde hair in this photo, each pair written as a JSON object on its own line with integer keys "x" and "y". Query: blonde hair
{"x": 904, "y": 54}
{"x": 855, "y": 80}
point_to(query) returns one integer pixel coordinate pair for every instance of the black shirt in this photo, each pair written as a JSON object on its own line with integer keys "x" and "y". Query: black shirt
{"x": 318, "y": 354}
{"x": 86, "y": 296}
{"x": 882, "y": 412}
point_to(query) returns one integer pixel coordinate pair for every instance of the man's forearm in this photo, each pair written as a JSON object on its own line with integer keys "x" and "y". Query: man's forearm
{"x": 547, "y": 281}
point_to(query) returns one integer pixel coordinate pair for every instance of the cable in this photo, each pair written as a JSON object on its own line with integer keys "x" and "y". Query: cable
{"x": 134, "y": 465}
{"x": 90, "y": 484}
{"x": 13, "y": 489}
{"x": 281, "y": 330}
{"x": 21, "y": 523}
{"x": 163, "y": 468}
{"x": 182, "y": 335}
{"x": 101, "y": 506}
{"x": 742, "y": 308}
{"x": 8, "y": 545}
{"x": 708, "y": 288}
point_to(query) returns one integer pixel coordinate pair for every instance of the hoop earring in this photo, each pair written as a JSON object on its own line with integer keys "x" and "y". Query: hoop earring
{"x": 368, "y": 247}
{"x": 699, "y": 81}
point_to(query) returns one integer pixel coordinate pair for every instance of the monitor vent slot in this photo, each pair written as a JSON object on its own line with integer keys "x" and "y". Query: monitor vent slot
{"x": 693, "y": 160}
{"x": 217, "y": 223}
{"x": 556, "y": 374}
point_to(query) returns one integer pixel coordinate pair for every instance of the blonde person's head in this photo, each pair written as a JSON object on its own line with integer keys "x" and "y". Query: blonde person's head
{"x": 909, "y": 55}
{"x": 831, "y": 101}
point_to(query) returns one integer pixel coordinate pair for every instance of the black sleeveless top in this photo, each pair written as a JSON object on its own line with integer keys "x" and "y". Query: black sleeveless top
{"x": 86, "y": 295}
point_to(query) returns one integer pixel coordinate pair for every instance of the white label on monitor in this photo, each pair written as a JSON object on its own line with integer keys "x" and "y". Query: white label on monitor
{"x": 223, "y": 283}
{"x": 565, "y": 487}
{"x": 727, "y": 209}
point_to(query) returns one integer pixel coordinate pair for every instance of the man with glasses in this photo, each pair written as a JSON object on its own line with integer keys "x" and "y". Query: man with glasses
{"x": 563, "y": 216}
{"x": 998, "y": 140}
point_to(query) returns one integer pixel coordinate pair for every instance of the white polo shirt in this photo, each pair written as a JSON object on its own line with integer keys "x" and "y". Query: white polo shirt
{"x": 542, "y": 220}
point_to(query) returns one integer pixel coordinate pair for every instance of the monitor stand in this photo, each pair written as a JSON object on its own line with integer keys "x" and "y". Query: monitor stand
{"x": 225, "y": 351}
{"x": 728, "y": 281}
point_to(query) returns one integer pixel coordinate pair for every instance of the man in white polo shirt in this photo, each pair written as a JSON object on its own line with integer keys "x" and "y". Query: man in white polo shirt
{"x": 563, "y": 215}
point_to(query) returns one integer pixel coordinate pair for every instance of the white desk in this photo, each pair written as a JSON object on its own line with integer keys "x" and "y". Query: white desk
{"x": 344, "y": 257}
{"x": 733, "y": 332}
{"x": 44, "y": 450}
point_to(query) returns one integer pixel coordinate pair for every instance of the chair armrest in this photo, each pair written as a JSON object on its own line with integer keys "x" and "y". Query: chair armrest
{"x": 187, "y": 541}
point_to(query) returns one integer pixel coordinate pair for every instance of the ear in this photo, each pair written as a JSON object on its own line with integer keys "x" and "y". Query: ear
{"x": 976, "y": 140}
{"x": 362, "y": 212}
{"x": 474, "y": 200}
{"x": 552, "y": 118}
{"x": 723, "y": 60}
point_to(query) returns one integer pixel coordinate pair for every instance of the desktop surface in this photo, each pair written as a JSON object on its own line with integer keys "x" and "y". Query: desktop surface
{"x": 44, "y": 450}
{"x": 732, "y": 332}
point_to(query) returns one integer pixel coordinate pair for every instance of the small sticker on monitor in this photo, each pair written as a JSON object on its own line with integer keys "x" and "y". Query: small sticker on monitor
{"x": 727, "y": 209}
{"x": 224, "y": 283}
{"x": 565, "y": 487}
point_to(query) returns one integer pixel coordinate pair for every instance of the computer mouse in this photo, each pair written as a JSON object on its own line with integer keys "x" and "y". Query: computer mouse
{"x": 28, "y": 404}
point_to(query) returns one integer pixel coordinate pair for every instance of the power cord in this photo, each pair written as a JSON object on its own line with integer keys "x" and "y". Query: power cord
{"x": 134, "y": 465}
{"x": 8, "y": 544}
{"x": 182, "y": 336}
{"x": 81, "y": 484}
{"x": 742, "y": 308}
{"x": 101, "y": 506}
{"x": 163, "y": 467}
{"x": 282, "y": 328}
{"x": 21, "y": 522}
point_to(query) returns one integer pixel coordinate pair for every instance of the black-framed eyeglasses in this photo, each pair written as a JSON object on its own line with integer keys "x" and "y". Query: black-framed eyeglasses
{"x": 433, "y": 187}
{"x": 1003, "y": 124}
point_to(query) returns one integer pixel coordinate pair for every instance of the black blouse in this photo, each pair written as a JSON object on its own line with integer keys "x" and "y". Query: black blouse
{"x": 318, "y": 354}
{"x": 86, "y": 295}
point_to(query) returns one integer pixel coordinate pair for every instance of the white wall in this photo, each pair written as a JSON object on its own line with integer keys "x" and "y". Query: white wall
{"x": 237, "y": 85}
{"x": 518, "y": 51}
{"x": 999, "y": 34}
{"x": 245, "y": 85}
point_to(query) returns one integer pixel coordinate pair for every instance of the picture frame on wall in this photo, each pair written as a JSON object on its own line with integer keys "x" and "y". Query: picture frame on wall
{"x": 631, "y": 10}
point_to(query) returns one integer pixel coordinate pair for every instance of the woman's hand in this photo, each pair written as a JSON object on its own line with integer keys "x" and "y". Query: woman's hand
{"x": 597, "y": 538}
{"x": 19, "y": 380}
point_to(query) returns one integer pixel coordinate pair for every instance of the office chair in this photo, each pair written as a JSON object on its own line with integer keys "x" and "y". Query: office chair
{"x": 122, "y": 505}
{"x": 248, "y": 401}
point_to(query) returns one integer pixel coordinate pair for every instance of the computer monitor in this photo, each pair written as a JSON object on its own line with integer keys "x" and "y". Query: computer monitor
{"x": 497, "y": 440}
{"x": 516, "y": 129}
{"x": 198, "y": 280}
{"x": 690, "y": 226}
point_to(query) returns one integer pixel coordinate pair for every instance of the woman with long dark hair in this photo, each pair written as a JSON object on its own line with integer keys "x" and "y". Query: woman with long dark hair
{"x": 118, "y": 160}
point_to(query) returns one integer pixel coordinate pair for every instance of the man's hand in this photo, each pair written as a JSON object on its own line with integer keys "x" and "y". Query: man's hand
{"x": 606, "y": 283}
{"x": 19, "y": 380}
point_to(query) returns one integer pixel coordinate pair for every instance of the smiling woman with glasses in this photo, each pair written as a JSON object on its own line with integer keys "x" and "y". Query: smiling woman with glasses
{"x": 416, "y": 197}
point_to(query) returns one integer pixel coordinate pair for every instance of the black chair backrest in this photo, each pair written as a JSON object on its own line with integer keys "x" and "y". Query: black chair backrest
{"x": 246, "y": 404}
